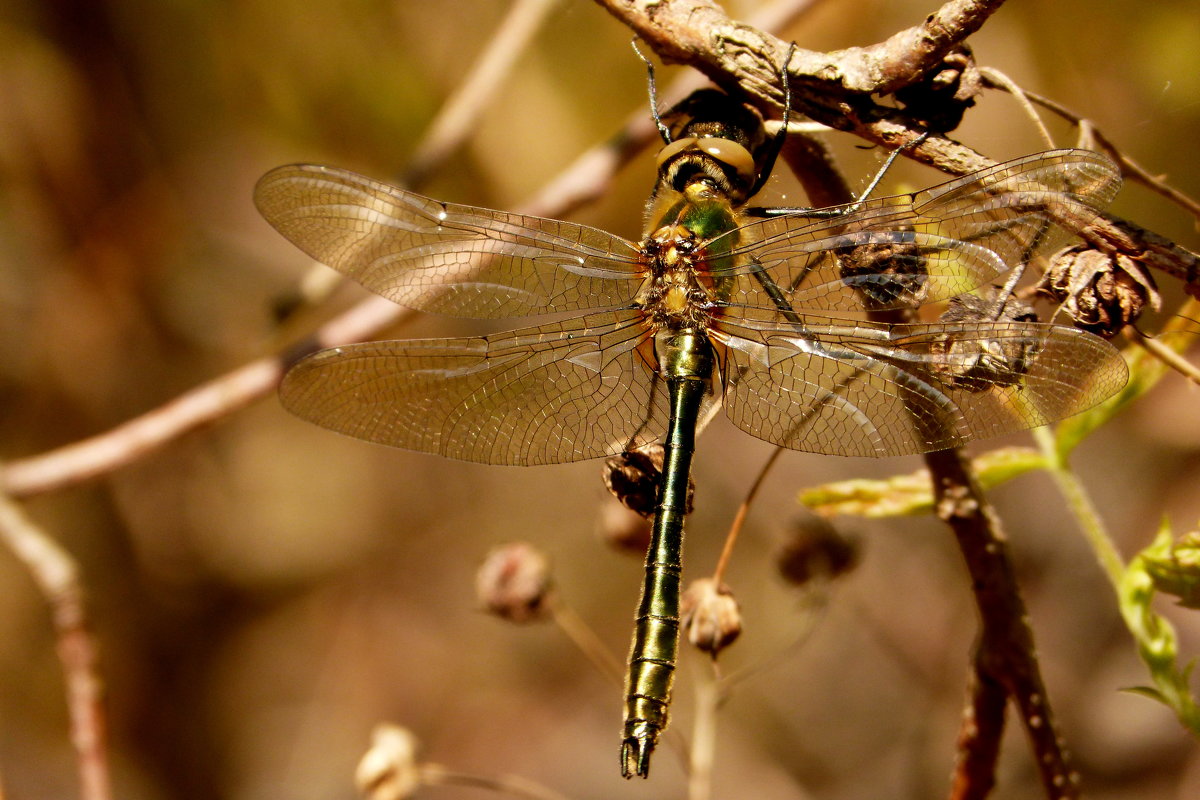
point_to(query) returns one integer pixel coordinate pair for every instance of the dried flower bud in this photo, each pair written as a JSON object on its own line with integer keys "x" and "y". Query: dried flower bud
{"x": 886, "y": 274}
{"x": 816, "y": 551}
{"x": 623, "y": 529}
{"x": 388, "y": 770}
{"x": 514, "y": 582}
{"x": 1102, "y": 293}
{"x": 1178, "y": 573}
{"x": 634, "y": 476}
{"x": 978, "y": 364}
{"x": 944, "y": 93}
{"x": 711, "y": 617}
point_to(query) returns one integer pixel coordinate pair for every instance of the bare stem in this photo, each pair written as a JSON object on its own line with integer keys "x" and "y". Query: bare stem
{"x": 514, "y": 785}
{"x": 57, "y": 576}
{"x": 1005, "y": 654}
{"x": 739, "y": 520}
{"x": 473, "y": 96}
{"x": 1164, "y": 353}
{"x": 704, "y": 737}
{"x": 588, "y": 642}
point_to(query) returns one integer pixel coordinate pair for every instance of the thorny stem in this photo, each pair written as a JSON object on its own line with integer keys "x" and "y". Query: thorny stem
{"x": 1005, "y": 653}
{"x": 833, "y": 88}
{"x": 979, "y": 739}
{"x": 57, "y": 576}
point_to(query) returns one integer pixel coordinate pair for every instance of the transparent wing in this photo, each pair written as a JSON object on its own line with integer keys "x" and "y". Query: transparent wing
{"x": 559, "y": 392}
{"x": 446, "y": 258}
{"x": 903, "y": 251}
{"x": 857, "y": 389}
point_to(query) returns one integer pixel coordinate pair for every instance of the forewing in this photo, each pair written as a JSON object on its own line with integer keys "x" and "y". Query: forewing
{"x": 873, "y": 390}
{"x": 903, "y": 251}
{"x": 446, "y": 258}
{"x": 558, "y": 392}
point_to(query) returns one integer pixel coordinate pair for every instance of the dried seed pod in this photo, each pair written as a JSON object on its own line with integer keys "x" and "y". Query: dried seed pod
{"x": 710, "y": 614}
{"x": 1178, "y": 572}
{"x": 977, "y": 364}
{"x": 389, "y": 770}
{"x": 634, "y": 476}
{"x": 816, "y": 551}
{"x": 514, "y": 582}
{"x": 1100, "y": 292}
{"x": 886, "y": 274}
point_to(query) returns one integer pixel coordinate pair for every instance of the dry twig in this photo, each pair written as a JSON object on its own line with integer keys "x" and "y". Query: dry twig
{"x": 57, "y": 577}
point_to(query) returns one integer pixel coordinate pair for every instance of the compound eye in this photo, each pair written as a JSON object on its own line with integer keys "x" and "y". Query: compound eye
{"x": 731, "y": 154}
{"x": 674, "y": 148}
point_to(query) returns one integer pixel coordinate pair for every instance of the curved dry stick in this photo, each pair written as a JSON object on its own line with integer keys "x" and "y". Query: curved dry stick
{"x": 587, "y": 177}
{"x": 832, "y": 88}
{"x": 57, "y": 577}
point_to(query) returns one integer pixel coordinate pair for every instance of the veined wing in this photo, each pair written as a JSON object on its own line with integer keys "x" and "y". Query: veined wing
{"x": 446, "y": 258}
{"x": 906, "y": 250}
{"x": 559, "y": 392}
{"x": 859, "y": 389}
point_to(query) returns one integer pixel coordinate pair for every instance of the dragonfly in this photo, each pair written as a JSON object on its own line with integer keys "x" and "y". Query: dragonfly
{"x": 765, "y": 311}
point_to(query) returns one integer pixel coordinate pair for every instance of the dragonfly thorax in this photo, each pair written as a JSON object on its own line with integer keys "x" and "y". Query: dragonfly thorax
{"x": 675, "y": 295}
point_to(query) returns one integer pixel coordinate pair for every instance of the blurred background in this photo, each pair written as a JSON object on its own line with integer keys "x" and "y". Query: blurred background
{"x": 265, "y": 592}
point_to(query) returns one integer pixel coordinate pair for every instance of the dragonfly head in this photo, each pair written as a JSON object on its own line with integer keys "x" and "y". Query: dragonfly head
{"x": 715, "y": 140}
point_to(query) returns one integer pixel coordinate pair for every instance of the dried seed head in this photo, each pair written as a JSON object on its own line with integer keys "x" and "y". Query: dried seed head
{"x": 944, "y": 93}
{"x": 633, "y": 478}
{"x": 711, "y": 617}
{"x": 816, "y": 551}
{"x": 1102, "y": 293}
{"x": 388, "y": 770}
{"x": 624, "y": 529}
{"x": 1178, "y": 572}
{"x": 886, "y": 274}
{"x": 514, "y": 582}
{"x": 978, "y": 364}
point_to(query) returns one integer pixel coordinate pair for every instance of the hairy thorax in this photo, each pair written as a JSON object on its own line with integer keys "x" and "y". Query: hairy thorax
{"x": 684, "y": 282}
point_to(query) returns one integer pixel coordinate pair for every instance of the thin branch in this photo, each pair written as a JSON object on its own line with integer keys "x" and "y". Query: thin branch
{"x": 1164, "y": 353}
{"x": 739, "y": 519}
{"x": 979, "y": 739}
{"x": 832, "y": 88}
{"x": 699, "y": 33}
{"x": 586, "y": 178}
{"x": 57, "y": 576}
{"x": 1128, "y": 165}
{"x": 1005, "y": 652}
{"x": 999, "y": 79}
{"x": 835, "y": 90}
{"x": 457, "y": 116}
